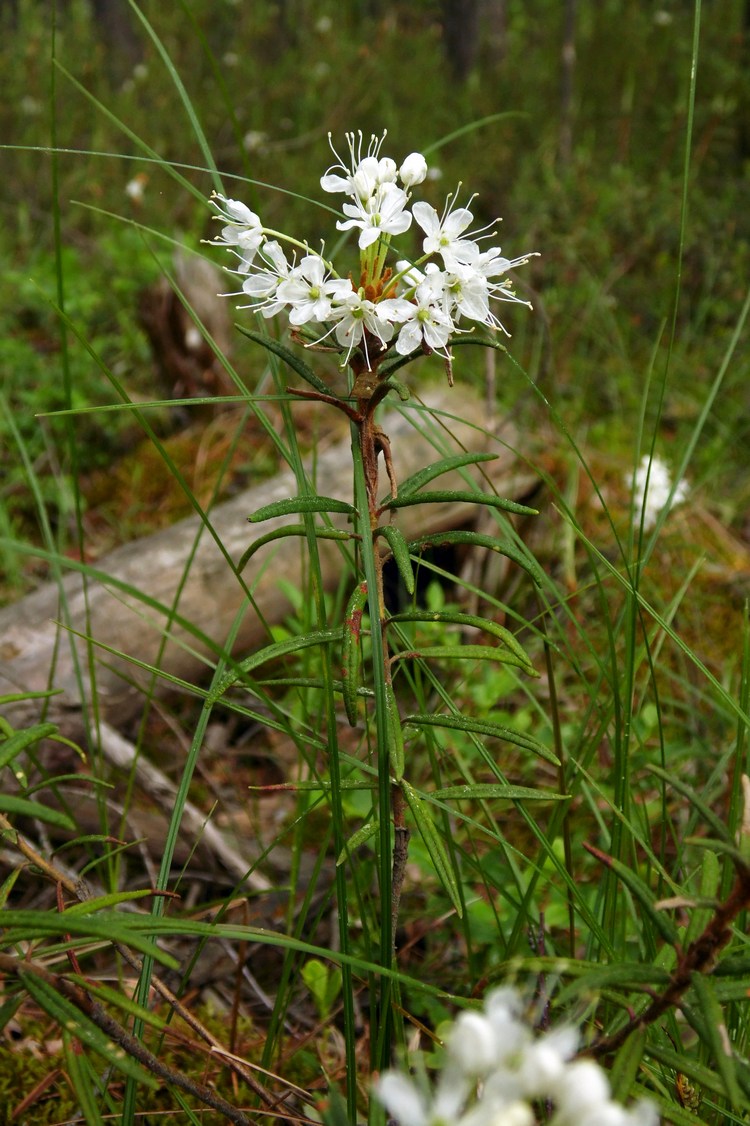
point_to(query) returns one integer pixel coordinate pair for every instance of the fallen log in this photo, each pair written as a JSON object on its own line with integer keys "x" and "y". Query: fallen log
{"x": 171, "y": 599}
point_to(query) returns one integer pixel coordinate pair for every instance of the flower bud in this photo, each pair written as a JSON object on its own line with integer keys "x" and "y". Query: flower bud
{"x": 413, "y": 170}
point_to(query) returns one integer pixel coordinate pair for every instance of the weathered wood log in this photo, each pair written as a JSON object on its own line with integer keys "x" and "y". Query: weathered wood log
{"x": 136, "y": 604}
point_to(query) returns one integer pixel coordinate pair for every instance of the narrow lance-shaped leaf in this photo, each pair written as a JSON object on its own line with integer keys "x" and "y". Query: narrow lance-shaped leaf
{"x": 460, "y": 652}
{"x": 292, "y": 505}
{"x": 640, "y": 892}
{"x": 80, "y": 1078}
{"x": 486, "y": 625}
{"x": 422, "y": 477}
{"x": 400, "y": 551}
{"x": 459, "y": 496}
{"x": 22, "y": 807}
{"x": 366, "y": 833}
{"x": 478, "y": 539}
{"x": 717, "y": 1034}
{"x": 627, "y": 1063}
{"x": 433, "y": 843}
{"x": 483, "y": 727}
{"x": 270, "y": 653}
{"x": 291, "y": 530}
{"x": 477, "y": 791}
{"x": 351, "y": 665}
{"x": 291, "y": 359}
{"x": 709, "y": 890}
{"x": 11, "y": 747}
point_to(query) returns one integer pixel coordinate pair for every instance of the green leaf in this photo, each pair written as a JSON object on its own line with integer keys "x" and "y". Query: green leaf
{"x": 626, "y": 1064}
{"x": 114, "y": 926}
{"x": 20, "y": 740}
{"x": 479, "y": 790}
{"x": 290, "y": 505}
{"x": 292, "y": 530}
{"x": 709, "y": 890}
{"x": 486, "y": 625}
{"x": 480, "y": 727}
{"x": 640, "y": 892}
{"x": 401, "y": 389}
{"x": 459, "y": 496}
{"x": 73, "y": 1020}
{"x": 119, "y": 1000}
{"x": 81, "y": 1081}
{"x": 422, "y": 815}
{"x": 22, "y": 807}
{"x": 104, "y": 902}
{"x": 291, "y": 359}
{"x": 335, "y": 1113}
{"x": 478, "y": 539}
{"x": 708, "y": 816}
{"x": 400, "y": 551}
{"x": 419, "y": 479}
{"x": 351, "y": 664}
{"x": 362, "y": 835}
{"x": 270, "y": 653}
{"x": 717, "y": 1034}
{"x": 460, "y": 652}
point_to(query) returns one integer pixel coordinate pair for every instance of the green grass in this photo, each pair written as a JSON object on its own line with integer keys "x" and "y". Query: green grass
{"x": 638, "y": 345}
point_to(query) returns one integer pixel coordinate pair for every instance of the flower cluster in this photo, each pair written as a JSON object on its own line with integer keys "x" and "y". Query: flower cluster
{"x": 496, "y": 1069}
{"x": 415, "y": 305}
{"x": 652, "y": 487}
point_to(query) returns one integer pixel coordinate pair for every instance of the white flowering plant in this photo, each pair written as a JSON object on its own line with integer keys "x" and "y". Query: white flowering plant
{"x": 390, "y": 310}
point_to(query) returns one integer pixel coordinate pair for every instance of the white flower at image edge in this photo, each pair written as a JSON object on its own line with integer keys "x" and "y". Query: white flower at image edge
{"x": 496, "y": 1068}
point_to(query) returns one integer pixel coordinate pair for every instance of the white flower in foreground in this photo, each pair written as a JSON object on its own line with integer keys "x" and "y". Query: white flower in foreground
{"x": 652, "y": 487}
{"x": 497, "y": 1070}
{"x": 310, "y": 292}
{"x": 355, "y": 314}
{"x": 442, "y": 232}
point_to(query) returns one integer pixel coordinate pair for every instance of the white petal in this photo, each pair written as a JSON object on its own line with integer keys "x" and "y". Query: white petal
{"x": 401, "y": 1099}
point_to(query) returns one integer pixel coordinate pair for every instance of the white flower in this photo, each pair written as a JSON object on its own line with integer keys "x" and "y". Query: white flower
{"x": 263, "y": 284}
{"x": 355, "y": 315}
{"x": 136, "y": 187}
{"x": 496, "y": 1070}
{"x": 652, "y": 488}
{"x": 422, "y": 321}
{"x": 381, "y": 214}
{"x": 413, "y": 170}
{"x": 443, "y": 231}
{"x": 311, "y": 292}
{"x": 473, "y": 1044}
{"x": 244, "y": 230}
{"x": 365, "y": 174}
